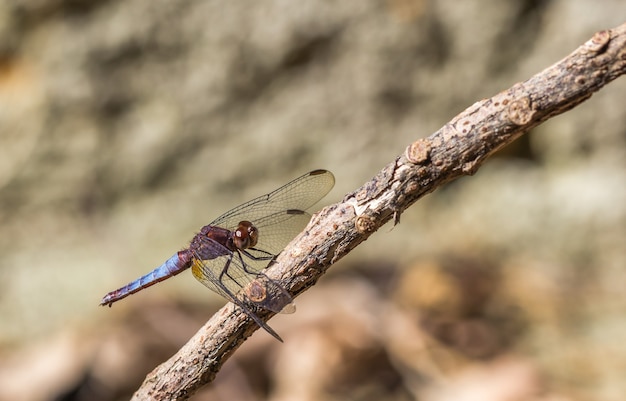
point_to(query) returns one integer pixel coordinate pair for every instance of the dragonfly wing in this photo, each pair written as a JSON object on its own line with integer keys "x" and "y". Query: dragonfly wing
{"x": 299, "y": 194}
{"x": 275, "y": 231}
{"x": 204, "y": 274}
{"x": 227, "y": 276}
{"x": 209, "y": 271}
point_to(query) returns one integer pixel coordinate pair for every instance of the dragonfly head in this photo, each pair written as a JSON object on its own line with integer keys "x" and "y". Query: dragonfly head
{"x": 246, "y": 235}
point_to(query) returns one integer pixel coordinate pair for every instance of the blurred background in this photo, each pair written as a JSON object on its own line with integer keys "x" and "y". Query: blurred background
{"x": 125, "y": 126}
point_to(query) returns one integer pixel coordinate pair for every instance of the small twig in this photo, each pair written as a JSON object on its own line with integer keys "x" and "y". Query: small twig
{"x": 457, "y": 149}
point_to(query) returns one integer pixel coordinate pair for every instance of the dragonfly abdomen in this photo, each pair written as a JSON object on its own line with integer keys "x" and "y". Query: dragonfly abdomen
{"x": 174, "y": 265}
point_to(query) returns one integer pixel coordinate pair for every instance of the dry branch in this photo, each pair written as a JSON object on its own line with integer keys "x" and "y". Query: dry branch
{"x": 457, "y": 149}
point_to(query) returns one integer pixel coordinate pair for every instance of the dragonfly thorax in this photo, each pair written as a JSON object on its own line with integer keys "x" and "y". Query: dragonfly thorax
{"x": 246, "y": 235}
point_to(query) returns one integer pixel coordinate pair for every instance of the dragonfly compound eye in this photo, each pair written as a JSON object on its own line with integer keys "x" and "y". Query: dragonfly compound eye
{"x": 246, "y": 235}
{"x": 253, "y": 233}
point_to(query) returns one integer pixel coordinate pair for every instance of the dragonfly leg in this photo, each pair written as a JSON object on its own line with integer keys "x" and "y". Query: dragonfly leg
{"x": 239, "y": 303}
{"x": 225, "y": 272}
{"x": 251, "y": 256}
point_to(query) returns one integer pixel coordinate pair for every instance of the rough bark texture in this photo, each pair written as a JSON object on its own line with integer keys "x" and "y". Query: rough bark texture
{"x": 459, "y": 148}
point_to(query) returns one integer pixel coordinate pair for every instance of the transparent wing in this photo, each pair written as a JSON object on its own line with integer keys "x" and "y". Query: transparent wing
{"x": 205, "y": 275}
{"x": 228, "y": 274}
{"x": 299, "y": 194}
{"x": 275, "y": 231}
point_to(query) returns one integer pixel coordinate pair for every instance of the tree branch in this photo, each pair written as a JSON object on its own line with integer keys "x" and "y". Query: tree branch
{"x": 457, "y": 149}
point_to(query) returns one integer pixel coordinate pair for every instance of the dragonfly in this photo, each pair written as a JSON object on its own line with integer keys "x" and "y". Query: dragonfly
{"x": 229, "y": 254}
